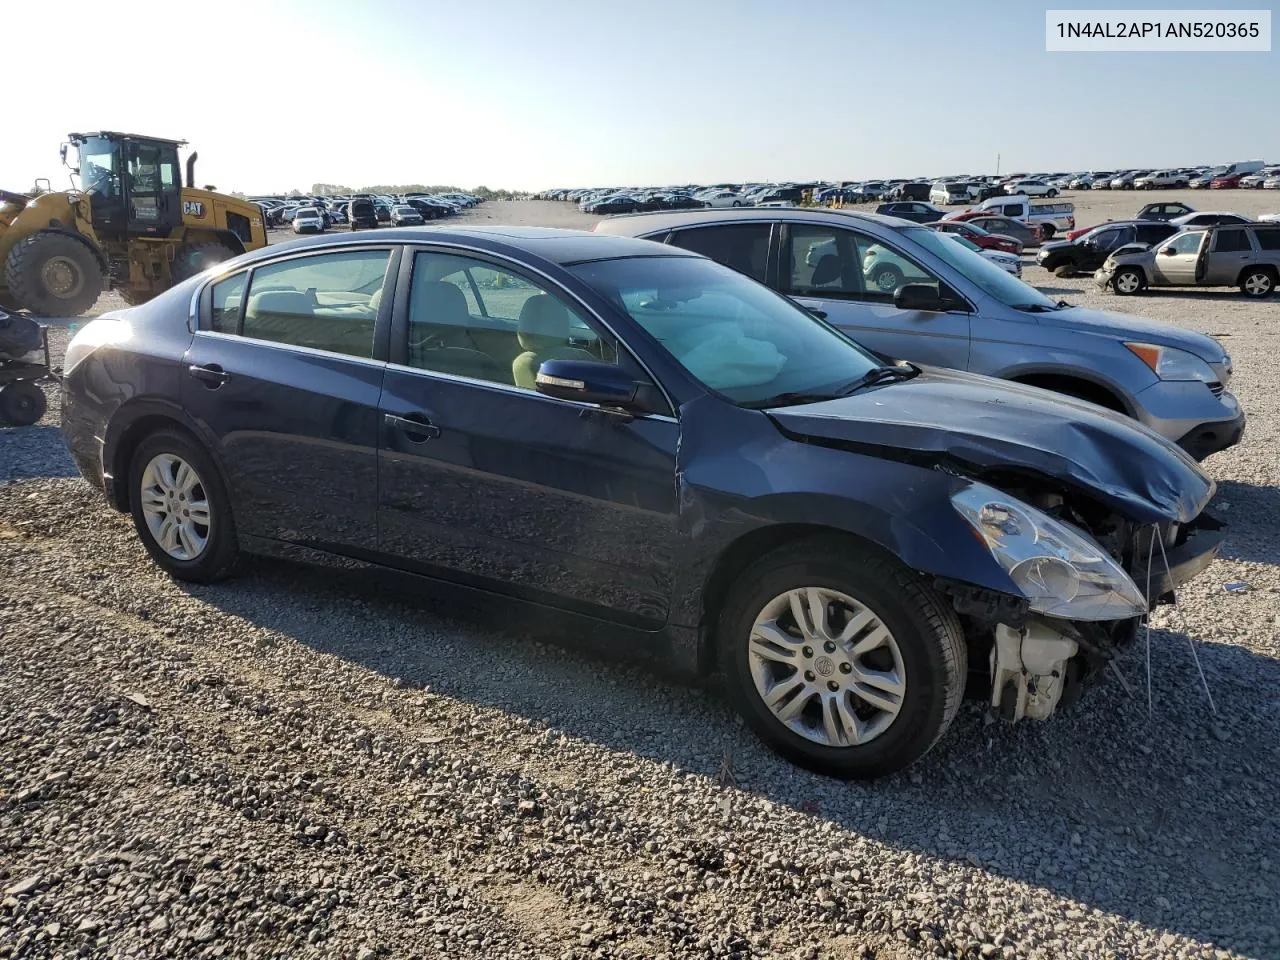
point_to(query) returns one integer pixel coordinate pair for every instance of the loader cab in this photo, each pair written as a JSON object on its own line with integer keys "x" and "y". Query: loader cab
{"x": 134, "y": 183}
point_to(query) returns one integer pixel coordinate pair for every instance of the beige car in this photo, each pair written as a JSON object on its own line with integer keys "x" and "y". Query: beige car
{"x": 1227, "y": 255}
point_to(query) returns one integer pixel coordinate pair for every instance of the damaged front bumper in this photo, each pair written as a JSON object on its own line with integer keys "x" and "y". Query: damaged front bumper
{"x": 1038, "y": 664}
{"x": 1188, "y": 549}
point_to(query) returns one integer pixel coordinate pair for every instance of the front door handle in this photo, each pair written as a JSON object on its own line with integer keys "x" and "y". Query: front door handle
{"x": 210, "y": 374}
{"x": 415, "y": 426}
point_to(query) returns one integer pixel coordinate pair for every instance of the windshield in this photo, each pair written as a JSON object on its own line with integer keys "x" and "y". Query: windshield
{"x": 981, "y": 272}
{"x": 98, "y": 167}
{"x": 735, "y": 336}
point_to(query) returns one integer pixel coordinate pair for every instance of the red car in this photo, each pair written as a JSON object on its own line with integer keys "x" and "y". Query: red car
{"x": 1228, "y": 182}
{"x": 975, "y": 234}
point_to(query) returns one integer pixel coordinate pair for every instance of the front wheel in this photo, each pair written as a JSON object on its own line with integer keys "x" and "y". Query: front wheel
{"x": 1051, "y": 194}
{"x": 181, "y": 509}
{"x": 53, "y": 274}
{"x": 840, "y": 659}
{"x": 1258, "y": 283}
{"x": 1065, "y": 270}
{"x": 1128, "y": 281}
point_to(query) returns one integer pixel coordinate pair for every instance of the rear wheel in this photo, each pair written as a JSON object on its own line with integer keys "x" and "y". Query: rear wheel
{"x": 1258, "y": 282}
{"x": 181, "y": 509}
{"x": 22, "y": 403}
{"x": 1047, "y": 230}
{"x": 53, "y": 275}
{"x": 193, "y": 258}
{"x": 887, "y": 279}
{"x": 841, "y": 659}
{"x": 1128, "y": 281}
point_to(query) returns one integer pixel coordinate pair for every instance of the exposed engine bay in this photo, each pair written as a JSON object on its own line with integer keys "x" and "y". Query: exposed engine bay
{"x": 1036, "y": 664}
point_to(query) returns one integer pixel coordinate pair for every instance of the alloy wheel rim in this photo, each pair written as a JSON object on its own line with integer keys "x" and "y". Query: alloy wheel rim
{"x": 1257, "y": 283}
{"x": 827, "y": 667}
{"x": 1127, "y": 282}
{"x": 887, "y": 281}
{"x": 61, "y": 277}
{"x": 175, "y": 505}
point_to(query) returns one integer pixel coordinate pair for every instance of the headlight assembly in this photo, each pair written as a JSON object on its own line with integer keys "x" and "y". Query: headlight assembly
{"x": 1060, "y": 571}
{"x": 1170, "y": 363}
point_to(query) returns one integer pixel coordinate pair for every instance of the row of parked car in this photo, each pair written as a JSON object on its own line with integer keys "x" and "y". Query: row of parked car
{"x": 855, "y": 499}
{"x": 279, "y": 211}
{"x": 945, "y": 190}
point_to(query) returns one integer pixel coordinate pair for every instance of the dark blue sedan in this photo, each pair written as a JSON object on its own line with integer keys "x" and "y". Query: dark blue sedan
{"x": 635, "y": 435}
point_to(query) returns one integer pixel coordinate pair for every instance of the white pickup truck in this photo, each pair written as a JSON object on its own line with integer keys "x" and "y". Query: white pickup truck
{"x": 1053, "y": 217}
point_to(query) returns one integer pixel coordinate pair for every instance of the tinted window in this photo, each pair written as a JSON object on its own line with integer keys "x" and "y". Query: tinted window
{"x": 734, "y": 336}
{"x": 226, "y": 299}
{"x": 1105, "y": 239}
{"x": 1231, "y": 241}
{"x": 1268, "y": 239}
{"x": 822, "y": 261}
{"x": 742, "y": 247}
{"x": 1153, "y": 233}
{"x": 469, "y": 318}
{"x": 326, "y": 302}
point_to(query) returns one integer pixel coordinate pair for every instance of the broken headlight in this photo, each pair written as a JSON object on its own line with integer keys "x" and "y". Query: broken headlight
{"x": 1059, "y": 570}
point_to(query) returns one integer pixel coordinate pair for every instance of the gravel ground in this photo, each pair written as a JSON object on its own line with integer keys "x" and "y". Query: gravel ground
{"x": 306, "y": 765}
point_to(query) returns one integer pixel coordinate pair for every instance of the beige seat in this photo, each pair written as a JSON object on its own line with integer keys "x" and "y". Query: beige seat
{"x": 543, "y": 331}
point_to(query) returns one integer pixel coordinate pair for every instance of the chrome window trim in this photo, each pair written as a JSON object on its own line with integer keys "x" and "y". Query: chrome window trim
{"x": 292, "y": 347}
{"x": 522, "y": 392}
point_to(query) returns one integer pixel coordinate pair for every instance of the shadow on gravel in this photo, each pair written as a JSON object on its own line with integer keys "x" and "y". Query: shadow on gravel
{"x": 1165, "y": 820}
{"x": 30, "y": 453}
{"x": 1254, "y": 518}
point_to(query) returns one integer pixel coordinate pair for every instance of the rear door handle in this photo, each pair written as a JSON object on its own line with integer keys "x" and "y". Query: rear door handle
{"x": 416, "y": 427}
{"x": 212, "y": 375}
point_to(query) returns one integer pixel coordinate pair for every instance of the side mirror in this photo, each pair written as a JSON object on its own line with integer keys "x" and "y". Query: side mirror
{"x": 1169, "y": 252}
{"x": 918, "y": 296}
{"x": 587, "y": 381}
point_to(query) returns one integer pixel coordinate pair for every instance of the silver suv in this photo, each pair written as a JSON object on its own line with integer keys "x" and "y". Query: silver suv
{"x": 1227, "y": 255}
{"x": 955, "y": 309}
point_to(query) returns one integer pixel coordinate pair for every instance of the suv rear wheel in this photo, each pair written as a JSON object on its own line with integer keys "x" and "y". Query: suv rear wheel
{"x": 1258, "y": 282}
{"x": 840, "y": 659}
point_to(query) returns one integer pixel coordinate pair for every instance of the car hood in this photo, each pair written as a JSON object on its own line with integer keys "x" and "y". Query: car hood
{"x": 977, "y": 426}
{"x": 1105, "y": 323}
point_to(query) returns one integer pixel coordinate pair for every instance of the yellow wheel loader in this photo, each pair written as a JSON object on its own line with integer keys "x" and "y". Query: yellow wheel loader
{"x": 132, "y": 226}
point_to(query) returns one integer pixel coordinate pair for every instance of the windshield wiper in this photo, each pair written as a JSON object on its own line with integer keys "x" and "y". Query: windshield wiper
{"x": 872, "y": 377}
{"x": 1040, "y": 307}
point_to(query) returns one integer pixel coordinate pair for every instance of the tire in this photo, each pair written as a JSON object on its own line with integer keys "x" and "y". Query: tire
{"x": 1047, "y": 231}
{"x": 193, "y": 258}
{"x": 22, "y": 403}
{"x": 218, "y": 554}
{"x": 54, "y": 275}
{"x": 924, "y": 632}
{"x": 1258, "y": 283}
{"x": 1128, "y": 281}
{"x": 1065, "y": 270}
{"x": 887, "y": 279}
{"x": 737, "y": 203}
{"x": 1051, "y": 194}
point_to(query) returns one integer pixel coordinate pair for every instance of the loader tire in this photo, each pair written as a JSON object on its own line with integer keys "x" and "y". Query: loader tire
{"x": 194, "y": 258}
{"x": 53, "y": 275}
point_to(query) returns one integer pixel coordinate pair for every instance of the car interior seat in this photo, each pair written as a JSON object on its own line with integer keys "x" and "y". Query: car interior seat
{"x": 543, "y": 331}
{"x": 438, "y": 337}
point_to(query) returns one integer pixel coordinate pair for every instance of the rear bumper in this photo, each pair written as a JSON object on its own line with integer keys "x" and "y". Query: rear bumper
{"x": 1203, "y": 538}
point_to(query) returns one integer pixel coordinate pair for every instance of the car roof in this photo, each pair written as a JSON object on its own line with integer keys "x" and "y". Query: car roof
{"x": 557, "y": 246}
{"x": 636, "y": 224}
